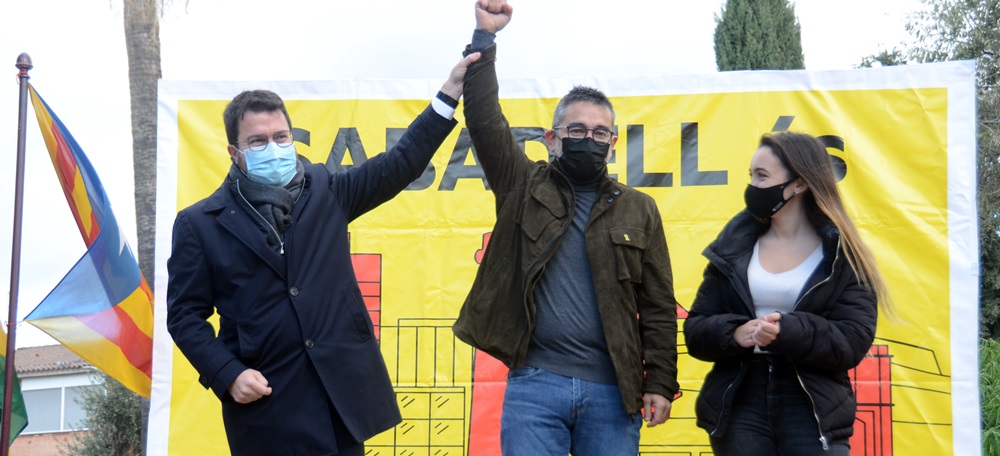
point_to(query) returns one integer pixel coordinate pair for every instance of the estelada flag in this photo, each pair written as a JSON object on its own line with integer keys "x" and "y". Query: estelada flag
{"x": 102, "y": 309}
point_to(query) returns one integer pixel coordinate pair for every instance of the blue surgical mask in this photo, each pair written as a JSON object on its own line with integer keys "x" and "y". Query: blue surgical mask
{"x": 275, "y": 165}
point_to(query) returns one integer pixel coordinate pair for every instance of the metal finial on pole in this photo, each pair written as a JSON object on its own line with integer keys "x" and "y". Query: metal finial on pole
{"x": 23, "y": 65}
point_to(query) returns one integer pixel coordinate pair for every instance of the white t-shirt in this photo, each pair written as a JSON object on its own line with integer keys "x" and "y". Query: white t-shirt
{"x": 779, "y": 292}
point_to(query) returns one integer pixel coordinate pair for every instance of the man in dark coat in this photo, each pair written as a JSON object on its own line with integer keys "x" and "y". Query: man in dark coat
{"x": 295, "y": 362}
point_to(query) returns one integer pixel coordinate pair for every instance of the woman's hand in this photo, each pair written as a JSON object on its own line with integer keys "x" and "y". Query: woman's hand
{"x": 759, "y": 332}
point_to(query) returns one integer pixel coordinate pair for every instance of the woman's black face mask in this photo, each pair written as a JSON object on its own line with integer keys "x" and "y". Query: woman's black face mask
{"x": 765, "y": 202}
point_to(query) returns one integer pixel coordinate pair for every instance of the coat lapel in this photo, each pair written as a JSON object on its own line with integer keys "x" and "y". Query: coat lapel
{"x": 237, "y": 221}
{"x": 606, "y": 196}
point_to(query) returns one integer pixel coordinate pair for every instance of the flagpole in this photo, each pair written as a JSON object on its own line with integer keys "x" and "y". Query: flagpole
{"x": 23, "y": 65}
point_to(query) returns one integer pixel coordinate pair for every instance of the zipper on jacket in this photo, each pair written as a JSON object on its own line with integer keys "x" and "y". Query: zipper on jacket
{"x": 530, "y": 283}
{"x": 734, "y": 278}
{"x": 281, "y": 242}
{"x": 724, "y": 394}
{"x": 819, "y": 425}
{"x": 821, "y": 282}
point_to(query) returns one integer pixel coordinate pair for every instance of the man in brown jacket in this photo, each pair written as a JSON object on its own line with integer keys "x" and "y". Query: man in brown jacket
{"x": 575, "y": 293}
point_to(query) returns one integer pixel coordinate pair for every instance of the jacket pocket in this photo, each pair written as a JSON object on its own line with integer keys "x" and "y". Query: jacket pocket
{"x": 542, "y": 209}
{"x": 249, "y": 343}
{"x": 629, "y": 246}
{"x": 359, "y": 313}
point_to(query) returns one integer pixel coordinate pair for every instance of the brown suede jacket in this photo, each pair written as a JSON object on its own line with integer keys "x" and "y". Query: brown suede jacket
{"x": 626, "y": 247}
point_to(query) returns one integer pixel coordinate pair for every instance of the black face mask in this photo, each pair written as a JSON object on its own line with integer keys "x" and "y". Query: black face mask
{"x": 582, "y": 160}
{"x": 765, "y": 202}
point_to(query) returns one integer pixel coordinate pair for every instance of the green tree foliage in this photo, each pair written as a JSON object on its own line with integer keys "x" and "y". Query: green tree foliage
{"x": 988, "y": 160}
{"x": 757, "y": 35}
{"x": 884, "y": 58}
{"x": 113, "y": 422}
{"x": 989, "y": 394}
{"x": 960, "y": 30}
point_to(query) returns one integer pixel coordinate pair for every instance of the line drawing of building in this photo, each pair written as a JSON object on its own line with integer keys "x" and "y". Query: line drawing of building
{"x": 450, "y": 394}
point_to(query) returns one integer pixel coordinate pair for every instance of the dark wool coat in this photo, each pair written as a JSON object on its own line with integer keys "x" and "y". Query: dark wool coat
{"x": 298, "y": 318}
{"x": 626, "y": 247}
{"x": 829, "y": 331}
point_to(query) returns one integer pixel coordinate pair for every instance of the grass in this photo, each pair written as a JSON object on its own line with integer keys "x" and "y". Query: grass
{"x": 989, "y": 395}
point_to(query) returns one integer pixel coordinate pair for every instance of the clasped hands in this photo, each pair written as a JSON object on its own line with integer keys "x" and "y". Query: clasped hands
{"x": 759, "y": 332}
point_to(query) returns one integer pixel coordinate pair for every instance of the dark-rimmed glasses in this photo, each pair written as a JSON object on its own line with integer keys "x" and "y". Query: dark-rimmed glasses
{"x": 257, "y": 143}
{"x": 579, "y": 131}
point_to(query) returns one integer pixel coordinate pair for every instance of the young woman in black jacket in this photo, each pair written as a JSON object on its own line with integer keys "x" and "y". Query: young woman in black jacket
{"x": 786, "y": 308}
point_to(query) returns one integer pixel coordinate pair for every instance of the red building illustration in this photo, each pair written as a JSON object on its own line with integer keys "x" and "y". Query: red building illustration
{"x": 368, "y": 270}
{"x": 871, "y": 381}
{"x": 872, "y": 388}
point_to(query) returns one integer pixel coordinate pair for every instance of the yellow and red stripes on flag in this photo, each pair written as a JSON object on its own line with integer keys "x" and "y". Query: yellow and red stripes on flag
{"x": 102, "y": 308}
{"x": 67, "y": 170}
{"x": 118, "y": 339}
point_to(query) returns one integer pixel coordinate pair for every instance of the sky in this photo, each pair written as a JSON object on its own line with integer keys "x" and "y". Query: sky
{"x": 78, "y": 51}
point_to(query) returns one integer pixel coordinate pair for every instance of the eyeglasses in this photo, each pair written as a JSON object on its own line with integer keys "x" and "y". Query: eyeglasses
{"x": 257, "y": 143}
{"x": 579, "y": 131}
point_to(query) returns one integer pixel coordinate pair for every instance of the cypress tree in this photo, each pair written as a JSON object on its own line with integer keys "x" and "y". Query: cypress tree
{"x": 757, "y": 35}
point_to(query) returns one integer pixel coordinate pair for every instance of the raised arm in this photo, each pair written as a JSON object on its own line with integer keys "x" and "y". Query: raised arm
{"x": 493, "y": 15}
{"x": 497, "y": 150}
{"x": 382, "y": 177}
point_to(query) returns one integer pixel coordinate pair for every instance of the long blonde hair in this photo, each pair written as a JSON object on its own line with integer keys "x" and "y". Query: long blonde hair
{"x": 805, "y": 157}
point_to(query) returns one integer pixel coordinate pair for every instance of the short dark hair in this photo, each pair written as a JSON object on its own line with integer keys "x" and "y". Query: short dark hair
{"x": 250, "y": 101}
{"x": 581, "y": 94}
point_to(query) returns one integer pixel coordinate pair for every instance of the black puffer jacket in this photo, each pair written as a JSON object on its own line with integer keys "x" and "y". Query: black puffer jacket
{"x": 829, "y": 331}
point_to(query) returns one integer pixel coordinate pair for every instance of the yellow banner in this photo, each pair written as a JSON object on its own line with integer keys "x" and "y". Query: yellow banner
{"x": 902, "y": 142}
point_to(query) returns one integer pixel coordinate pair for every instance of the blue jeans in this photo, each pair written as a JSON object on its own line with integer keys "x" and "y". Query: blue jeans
{"x": 772, "y": 415}
{"x": 546, "y": 414}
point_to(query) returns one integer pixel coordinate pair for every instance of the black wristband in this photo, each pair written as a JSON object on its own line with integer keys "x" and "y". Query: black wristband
{"x": 447, "y": 99}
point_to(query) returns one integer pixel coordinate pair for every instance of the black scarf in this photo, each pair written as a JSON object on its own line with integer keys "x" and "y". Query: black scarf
{"x": 271, "y": 202}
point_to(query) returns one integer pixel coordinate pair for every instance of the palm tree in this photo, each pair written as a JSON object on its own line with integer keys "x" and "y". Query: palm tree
{"x": 142, "y": 41}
